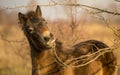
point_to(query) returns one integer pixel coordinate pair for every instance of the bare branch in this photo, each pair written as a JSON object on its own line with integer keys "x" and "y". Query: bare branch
{"x": 86, "y": 6}
{"x": 86, "y": 59}
{"x": 54, "y": 3}
{"x": 34, "y": 5}
{"x": 117, "y": 0}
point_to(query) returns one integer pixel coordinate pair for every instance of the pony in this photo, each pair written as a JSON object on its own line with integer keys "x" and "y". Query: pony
{"x": 44, "y": 46}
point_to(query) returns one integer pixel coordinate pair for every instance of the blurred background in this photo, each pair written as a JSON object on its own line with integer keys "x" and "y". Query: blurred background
{"x": 92, "y": 19}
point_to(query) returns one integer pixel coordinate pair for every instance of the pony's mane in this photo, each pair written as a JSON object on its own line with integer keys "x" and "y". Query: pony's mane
{"x": 31, "y": 14}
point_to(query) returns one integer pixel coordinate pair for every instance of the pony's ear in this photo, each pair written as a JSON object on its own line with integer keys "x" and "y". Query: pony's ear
{"x": 38, "y": 11}
{"x": 21, "y": 18}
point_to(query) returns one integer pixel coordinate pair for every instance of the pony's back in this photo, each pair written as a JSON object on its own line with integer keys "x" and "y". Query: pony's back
{"x": 104, "y": 65}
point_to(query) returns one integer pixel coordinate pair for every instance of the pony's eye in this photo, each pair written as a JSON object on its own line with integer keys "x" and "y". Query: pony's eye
{"x": 45, "y": 22}
{"x": 31, "y": 29}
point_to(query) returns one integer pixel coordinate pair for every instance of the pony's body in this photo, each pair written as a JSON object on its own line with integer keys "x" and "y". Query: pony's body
{"x": 43, "y": 44}
{"x": 46, "y": 65}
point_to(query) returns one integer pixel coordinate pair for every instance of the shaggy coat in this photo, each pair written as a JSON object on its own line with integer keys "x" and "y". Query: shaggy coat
{"x": 43, "y": 44}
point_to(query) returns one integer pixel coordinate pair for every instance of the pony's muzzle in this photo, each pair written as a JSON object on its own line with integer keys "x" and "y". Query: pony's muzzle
{"x": 51, "y": 41}
{"x": 46, "y": 39}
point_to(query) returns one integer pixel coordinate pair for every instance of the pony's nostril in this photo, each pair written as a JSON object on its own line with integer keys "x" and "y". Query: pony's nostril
{"x": 46, "y": 38}
{"x": 51, "y": 34}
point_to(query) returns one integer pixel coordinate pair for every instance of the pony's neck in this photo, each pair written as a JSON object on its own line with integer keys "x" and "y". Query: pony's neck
{"x": 44, "y": 62}
{"x": 41, "y": 61}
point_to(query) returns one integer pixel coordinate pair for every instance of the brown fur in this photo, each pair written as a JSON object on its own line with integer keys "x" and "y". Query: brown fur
{"x": 43, "y": 58}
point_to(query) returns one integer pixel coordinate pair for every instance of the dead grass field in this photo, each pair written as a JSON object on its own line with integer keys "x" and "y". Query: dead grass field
{"x": 15, "y": 56}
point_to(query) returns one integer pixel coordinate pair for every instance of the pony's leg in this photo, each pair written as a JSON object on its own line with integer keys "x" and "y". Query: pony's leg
{"x": 68, "y": 71}
{"x": 109, "y": 71}
{"x": 95, "y": 68}
{"x": 109, "y": 64}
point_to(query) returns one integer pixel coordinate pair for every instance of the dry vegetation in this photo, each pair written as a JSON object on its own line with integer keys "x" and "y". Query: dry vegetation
{"x": 14, "y": 48}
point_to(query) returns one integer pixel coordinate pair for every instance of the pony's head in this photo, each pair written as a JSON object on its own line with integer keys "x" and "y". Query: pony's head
{"x": 36, "y": 29}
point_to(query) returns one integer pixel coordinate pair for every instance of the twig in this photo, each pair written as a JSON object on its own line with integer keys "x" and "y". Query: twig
{"x": 86, "y": 59}
{"x": 54, "y": 3}
{"x": 117, "y": 0}
{"x": 11, "y": 41}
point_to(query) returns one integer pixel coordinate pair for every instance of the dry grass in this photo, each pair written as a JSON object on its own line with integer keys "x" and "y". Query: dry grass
{"x": 15, "y": 57}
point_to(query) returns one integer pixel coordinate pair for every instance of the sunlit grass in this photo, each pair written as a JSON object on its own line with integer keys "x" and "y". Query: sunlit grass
{"x": 12, "y": 63}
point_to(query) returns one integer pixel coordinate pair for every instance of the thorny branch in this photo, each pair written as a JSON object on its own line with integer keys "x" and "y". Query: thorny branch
{"x": 13, "y": 41}
{"x": 115, "y": 30}
{"x": 54, "y": 3}
{"x": 70, "y": 63}
{"x": 117, "y": 0}
{"x": 85, "y": 59}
